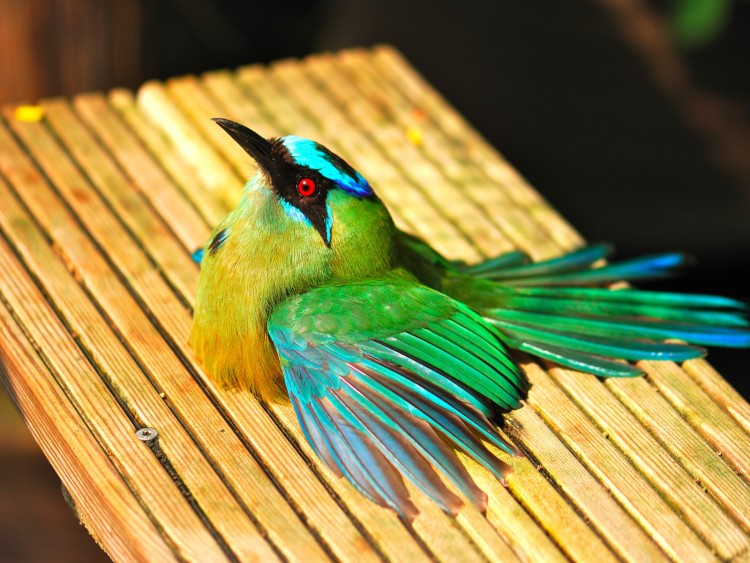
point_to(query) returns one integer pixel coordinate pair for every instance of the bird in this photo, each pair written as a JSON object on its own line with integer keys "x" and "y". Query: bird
{"x": 394, "y": 357}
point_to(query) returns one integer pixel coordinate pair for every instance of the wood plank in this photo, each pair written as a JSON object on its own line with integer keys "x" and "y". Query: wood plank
{"x": 716, "y": 426}
{"x": 418, "y": 172}
{"x": 111, "y": 512}
{"x": 189, "y": 95}
{"x": 211, "y": 170}
{"x": 582, "y": 489}
{"x": 535, "y": 516}
{"x": 653, "y": 462}
{"x": 169, "y": 158}
{"x": 628, "y": 486}
{"x": 720, "y": 391}
{"x": 115, "y": 430}
{"x": 555, "y": 515}
{"x": 123, "y": 193}
{"x": 674, "y": 433}
{"x": 370, "y": 107}
{"x": 138, "y": 164}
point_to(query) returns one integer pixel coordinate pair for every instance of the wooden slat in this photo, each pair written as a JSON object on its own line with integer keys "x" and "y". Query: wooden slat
{"x": 590, "y": 496}
{"x": 213, "y": 173}
{"x": 111, "y": 512}
{"x": 718, "y": 427}
{"x": 171, "y": 161}
{"x": 118, "y": 192}
{"x": 704, "y": 463}
{"x": 652, "y": 461}
{"x": 534, "y": 500}
{"x": 629, "y": 486}
{"x": 111, "y": 426}
{"x": 139, "y": 167}
{"x": 720, "y": 391}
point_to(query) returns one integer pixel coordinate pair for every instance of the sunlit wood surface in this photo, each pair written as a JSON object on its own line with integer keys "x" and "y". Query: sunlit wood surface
{"x": 102, "y": 203}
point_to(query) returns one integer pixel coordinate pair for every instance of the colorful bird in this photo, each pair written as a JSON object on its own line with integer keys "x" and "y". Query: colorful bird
{"x": 392, "y": 356}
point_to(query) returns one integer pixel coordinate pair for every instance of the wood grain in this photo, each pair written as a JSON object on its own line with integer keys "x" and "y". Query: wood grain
{"x": 101, "y": 205}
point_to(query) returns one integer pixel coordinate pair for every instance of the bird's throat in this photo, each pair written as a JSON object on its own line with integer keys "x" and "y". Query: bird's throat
{"x": 256, "y": 266}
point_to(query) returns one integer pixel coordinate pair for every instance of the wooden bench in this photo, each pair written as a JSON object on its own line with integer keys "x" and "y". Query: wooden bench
{"x": 102, "y": 203}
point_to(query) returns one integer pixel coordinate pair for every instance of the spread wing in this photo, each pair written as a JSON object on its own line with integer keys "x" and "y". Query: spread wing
{"x": 384, "y": 375}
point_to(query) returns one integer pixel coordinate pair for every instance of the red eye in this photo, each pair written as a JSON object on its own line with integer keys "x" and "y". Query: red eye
{"x": 306, "y": 187}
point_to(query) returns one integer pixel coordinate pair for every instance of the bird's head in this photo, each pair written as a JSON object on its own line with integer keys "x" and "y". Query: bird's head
{"x": 318, "y": 203}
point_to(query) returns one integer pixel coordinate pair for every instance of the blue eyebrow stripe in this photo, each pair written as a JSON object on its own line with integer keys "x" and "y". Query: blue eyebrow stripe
{"x": 316, "y": 157}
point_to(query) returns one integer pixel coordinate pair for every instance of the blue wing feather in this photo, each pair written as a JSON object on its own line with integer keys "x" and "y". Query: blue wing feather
{"x": 378, "y": 409}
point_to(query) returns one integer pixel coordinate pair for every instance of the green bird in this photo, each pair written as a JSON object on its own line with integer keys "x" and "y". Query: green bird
{"x": 394, "y": 357}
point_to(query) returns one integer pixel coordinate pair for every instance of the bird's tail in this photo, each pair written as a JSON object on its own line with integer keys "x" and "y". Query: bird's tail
{"x": 550, "y": 310}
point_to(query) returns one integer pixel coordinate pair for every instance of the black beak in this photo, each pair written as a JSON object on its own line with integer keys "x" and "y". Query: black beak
{"x": 253, "y": 144}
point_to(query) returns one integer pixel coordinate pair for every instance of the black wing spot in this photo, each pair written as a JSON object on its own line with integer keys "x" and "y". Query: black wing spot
{"x": 218, "y": 240}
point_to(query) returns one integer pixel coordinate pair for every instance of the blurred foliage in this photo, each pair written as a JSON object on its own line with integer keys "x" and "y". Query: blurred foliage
{"x": 697, "y": 23}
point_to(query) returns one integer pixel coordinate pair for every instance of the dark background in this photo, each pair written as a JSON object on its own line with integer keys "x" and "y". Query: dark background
{"x": 630, "y": 117}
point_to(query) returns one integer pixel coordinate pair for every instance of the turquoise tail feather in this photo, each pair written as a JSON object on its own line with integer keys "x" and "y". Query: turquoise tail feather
{"x": 545, "y": 309}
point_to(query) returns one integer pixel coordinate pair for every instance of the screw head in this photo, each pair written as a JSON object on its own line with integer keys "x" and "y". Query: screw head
{"x": 147, "y": 434}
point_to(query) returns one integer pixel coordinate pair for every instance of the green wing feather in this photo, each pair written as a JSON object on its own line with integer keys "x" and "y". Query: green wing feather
{"x": 383, "y": 374}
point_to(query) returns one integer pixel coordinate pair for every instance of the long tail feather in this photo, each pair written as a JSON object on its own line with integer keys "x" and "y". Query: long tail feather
{"x": 502, "y": 269}
{"x": 604, "y": 308}
{"x": 502, "y": 262}
{"x": 625, "y": 349}
{"x": 546, "y": 309}
{"x": 632, "y": 296}
{"x": 645, "y": 268}
{"x": 634, "y": 329}
{"x": 579, "y": 361}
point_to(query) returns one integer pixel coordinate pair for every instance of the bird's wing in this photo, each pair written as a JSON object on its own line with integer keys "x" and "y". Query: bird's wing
{"x": 382, "y": 374}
